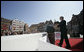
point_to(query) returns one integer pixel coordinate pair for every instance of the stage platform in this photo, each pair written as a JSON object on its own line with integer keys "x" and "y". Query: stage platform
{"x": 28, "y": 42}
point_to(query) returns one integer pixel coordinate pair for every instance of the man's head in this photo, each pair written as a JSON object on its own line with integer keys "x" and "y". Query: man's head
{"x": 61, "y": 18}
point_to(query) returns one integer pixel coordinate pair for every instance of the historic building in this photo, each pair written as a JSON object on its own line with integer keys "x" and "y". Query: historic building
{"x": 26, "y": 29}
{"x": 33, "y": 28}
{"x": 17, "y": 26}
{"x": 41, "y": 27}
{"x": 75, "y": 26}
{"x": 5, "y": 24}
{"x": 13, "y": 26}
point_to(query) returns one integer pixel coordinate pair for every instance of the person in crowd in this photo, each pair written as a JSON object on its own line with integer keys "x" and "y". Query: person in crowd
{"x": 8, "y": 33}
{"x": 3, "y": 34}
{"x": 63, "y": 30}
{"x": 15, "y": 33}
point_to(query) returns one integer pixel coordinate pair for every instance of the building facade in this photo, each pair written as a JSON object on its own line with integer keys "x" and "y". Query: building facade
{"x": 41, "y": 27}
{"x": 75, "y": 26}
{"x": 17, "y": 26}
{"x": 26, "y": 29}
{"x": 5, "y": 24}
{"x": 34, "y": 28}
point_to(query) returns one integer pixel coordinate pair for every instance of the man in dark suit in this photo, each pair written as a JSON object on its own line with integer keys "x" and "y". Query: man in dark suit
{"x": 63, "y": 30}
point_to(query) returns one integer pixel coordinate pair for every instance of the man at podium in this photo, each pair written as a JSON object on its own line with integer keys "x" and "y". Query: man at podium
{"x": 63, "y": 30}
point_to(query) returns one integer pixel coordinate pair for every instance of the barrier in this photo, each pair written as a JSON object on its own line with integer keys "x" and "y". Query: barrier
{"x": 28, "y": 42}
{"x": 25, "y": 42}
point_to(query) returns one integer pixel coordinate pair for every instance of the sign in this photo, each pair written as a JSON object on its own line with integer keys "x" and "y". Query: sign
{"x": 57, "y": 35}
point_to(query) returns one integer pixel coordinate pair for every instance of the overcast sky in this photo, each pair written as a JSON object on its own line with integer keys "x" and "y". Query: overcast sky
{"x": 33, "y": 12}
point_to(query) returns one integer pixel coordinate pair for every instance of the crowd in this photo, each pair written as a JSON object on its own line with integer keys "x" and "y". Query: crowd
{"x": 6, "y": 33}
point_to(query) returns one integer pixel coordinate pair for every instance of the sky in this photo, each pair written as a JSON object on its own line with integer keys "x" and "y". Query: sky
{"x": 34, "y": 12}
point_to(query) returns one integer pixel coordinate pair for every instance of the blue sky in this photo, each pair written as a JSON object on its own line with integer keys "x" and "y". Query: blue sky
{"x": 33, "y": 12}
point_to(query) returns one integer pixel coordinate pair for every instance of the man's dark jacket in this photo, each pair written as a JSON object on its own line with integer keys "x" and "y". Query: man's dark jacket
{"x": 63, "y": 25}
{"x": 63, "y": 28}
